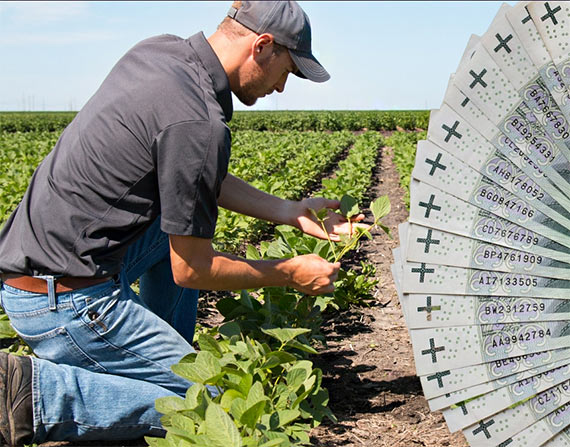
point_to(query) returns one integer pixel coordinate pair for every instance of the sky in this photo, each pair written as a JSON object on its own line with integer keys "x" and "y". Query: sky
{"x": 381, "y": 55}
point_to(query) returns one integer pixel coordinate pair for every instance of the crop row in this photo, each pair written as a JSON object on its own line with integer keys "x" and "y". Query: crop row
{"x": 252, "y": 120}
{"x": 404, "y": 146}
{"x": 354, "y": 173}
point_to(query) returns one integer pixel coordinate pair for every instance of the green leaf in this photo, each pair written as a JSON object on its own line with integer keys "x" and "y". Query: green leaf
{"x": 287, "y": 416}
{"x": 278, "y": 249}
{"x": 255, "y": 394}
{"x": 349, "y": 206}
{"x": 228, "y": 397}
{"x": 229, "y": 307}
{"x": 230, "y": 329}
{"x": 206, "y": 369}
{"x": 245, "y": 384}
{"x": 276, "y": 358}
{"x": 386, "y": 229}
{"x": 169, "y": 404}
{"x": 237, "y": 408}
{"x": 301, "y": 346}
{"x": 194, "y": 395}
{"x": 254, "y": 405}
{"x": 6, "y": 330}
{"x": 220, "y": 428}
{"x": 380, "y": 207}
{"x": 210, "y": 344}
{"x": 285, "y": 335}
{"x": 276, "y": 435}
{"x": 252, "y": 253}
{"x": 276, "y": 442}
{"x": 183, "y": 423}
{"x": 296, "y": 377}
{"x": 252, "y": 414}
{"x": 157, "y": 442}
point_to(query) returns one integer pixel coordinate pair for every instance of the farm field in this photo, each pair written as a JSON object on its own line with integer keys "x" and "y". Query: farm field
{"x": 367, "y": 365}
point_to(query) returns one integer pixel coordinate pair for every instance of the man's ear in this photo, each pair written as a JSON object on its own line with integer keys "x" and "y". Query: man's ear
{"x": 262, "y": 45}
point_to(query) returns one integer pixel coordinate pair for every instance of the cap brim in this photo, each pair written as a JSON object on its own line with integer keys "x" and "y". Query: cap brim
{"x": 309, "y": 67}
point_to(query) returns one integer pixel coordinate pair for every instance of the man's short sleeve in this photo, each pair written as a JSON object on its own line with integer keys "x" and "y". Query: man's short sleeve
{"x": 191, "y": 162}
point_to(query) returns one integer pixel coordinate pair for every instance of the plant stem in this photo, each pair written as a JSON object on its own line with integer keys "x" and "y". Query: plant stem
{"x": 352, "y": 243}
{"x": 328, "y": 237}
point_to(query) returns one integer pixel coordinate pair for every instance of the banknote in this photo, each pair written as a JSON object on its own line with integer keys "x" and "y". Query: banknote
{"x": 514, "y": 174}
{"x": 446, "y": 381}
{"x": 442, "y": 349}
{"x": 524, "y": 27}
{"x": 559, "y": 424}
{"x": 484, "y": 83}
{"x": 443, "y": 279}
{"x": 507, "y": 50}
{"x": 550, "y": 431}
{"x": 397, "y": 273}
{"x": 434, "y": 208}
{"x": 481, "y": 407}
{"x": 429, "y": 245}
{"x": 552, "y": 21}
{"x": 500, "y": 427}
{"x": 518, "y": 382}
{"x": 433, "y": 310}
{"x": 464, "y": 183}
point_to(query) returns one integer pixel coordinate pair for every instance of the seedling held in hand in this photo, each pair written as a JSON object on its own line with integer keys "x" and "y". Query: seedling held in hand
{"x": 349, "y": 209}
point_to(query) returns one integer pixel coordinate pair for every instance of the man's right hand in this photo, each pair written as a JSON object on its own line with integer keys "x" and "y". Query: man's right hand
{"x": 312, "y": 275}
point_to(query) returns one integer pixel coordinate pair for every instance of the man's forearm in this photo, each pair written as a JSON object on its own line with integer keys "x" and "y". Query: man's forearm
{"x": 241, "y": 197}
{"x": 196, "y": 265}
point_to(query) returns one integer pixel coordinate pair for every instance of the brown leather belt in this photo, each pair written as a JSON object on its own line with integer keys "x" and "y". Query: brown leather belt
{"x": 63, "y": 284}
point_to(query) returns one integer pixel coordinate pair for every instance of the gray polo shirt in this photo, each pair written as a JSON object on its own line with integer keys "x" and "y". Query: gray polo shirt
{"x": 153, "y": 140}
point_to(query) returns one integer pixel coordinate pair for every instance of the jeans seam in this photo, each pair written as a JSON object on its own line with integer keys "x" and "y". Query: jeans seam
{"x": 36, "y": 412}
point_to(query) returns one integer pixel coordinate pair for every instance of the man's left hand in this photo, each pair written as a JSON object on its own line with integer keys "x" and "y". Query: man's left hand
{"x": 335, "y": 224}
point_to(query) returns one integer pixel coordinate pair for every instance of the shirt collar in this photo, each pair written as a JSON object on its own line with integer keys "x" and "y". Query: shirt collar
{"x": 216, "y": 71}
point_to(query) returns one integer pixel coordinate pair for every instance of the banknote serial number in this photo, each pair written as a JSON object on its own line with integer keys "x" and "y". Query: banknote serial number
{"x": 502, "y": 309}
{"x": 521, "y": 338}
{"x": 541, "y": 148}
{"x": 522, "y": 185}
{"x": 514, "y": 281}
{"x": 509, "y": 204}
{"x": 524, "y": 258}
{"x": 553, "y": 394}
{"x": 509, "y": 234}
{"x": 544, "y": 107}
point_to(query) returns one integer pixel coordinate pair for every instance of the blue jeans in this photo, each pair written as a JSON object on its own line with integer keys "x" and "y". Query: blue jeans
{"x": 104, "y": 353}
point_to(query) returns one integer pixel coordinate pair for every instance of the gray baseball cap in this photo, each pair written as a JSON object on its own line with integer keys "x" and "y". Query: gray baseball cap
{"x": 290, "y": 27}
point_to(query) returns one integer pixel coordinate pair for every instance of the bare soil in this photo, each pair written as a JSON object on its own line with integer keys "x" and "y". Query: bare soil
{"x": 368, "y": 366}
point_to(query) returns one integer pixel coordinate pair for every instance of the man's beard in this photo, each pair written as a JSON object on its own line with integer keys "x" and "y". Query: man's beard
{"x": 249, "y": 91}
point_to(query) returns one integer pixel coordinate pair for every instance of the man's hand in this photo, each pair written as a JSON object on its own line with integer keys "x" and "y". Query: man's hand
{"x": 335, "y": 224}
{"x": 311, "y": 274}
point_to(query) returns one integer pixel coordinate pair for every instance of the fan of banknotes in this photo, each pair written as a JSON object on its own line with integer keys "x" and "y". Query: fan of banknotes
{"x": 483, "y": 270}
